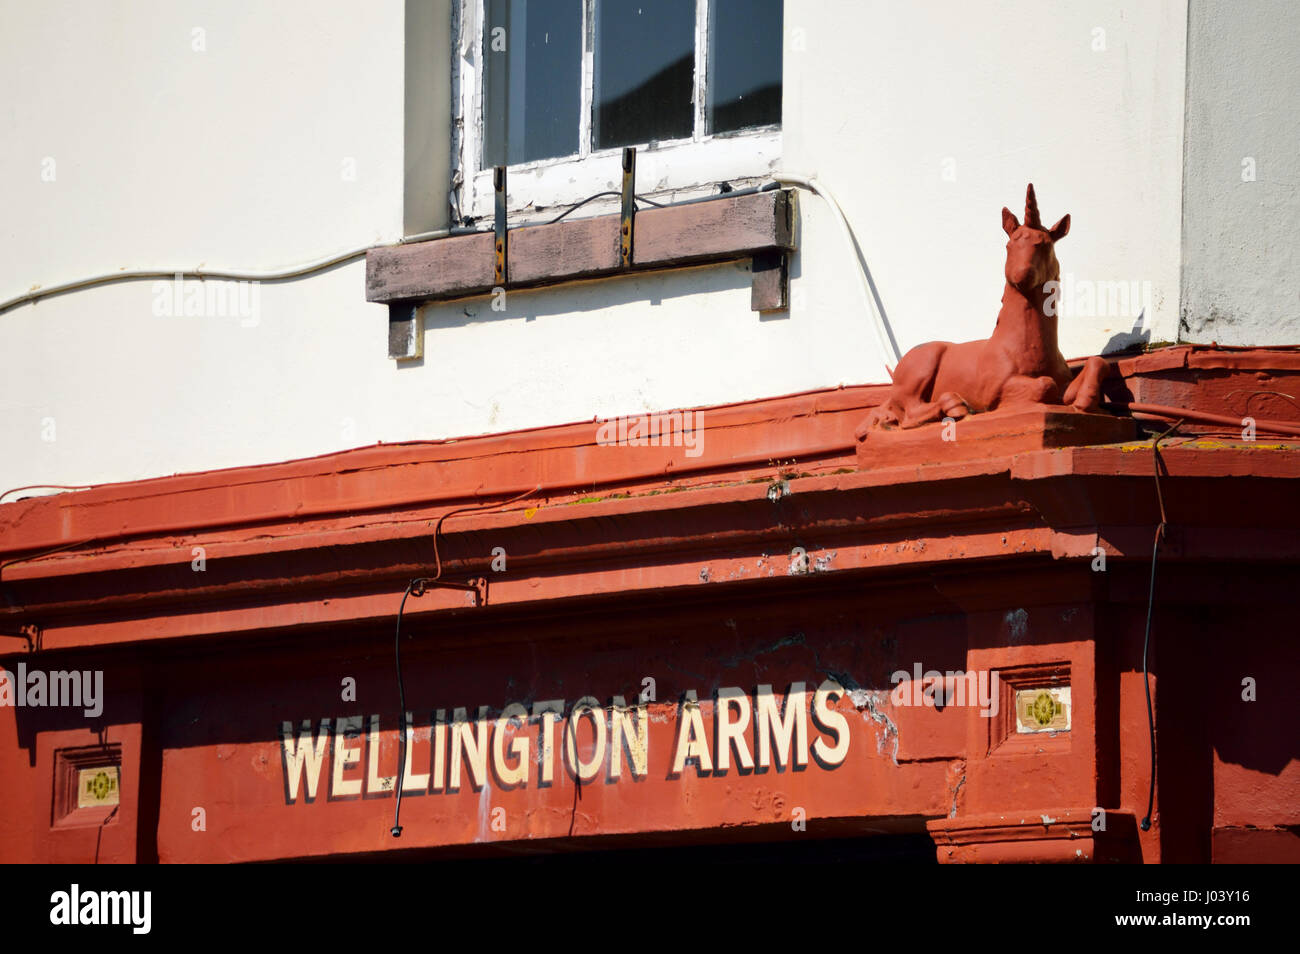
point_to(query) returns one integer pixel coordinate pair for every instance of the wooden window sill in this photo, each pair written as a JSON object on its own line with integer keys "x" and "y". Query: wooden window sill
{"x": 760, "y": 226}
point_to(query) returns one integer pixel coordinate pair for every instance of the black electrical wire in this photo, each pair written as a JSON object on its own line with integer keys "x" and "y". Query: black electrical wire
{"x": 729, "y": 194}
{"x": 396, "y": 830}
{"x": 578, "y": 205}
{"x": 1146, "y": 638}
{"x": 1151, "y": 724}
{"x": 418, "y": 586}
{"x": 600, "y": 195}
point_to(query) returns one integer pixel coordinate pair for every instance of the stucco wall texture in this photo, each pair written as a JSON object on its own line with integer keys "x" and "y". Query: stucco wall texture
{"x": 293, "y": 133}
{"x": 1241, "y": 199}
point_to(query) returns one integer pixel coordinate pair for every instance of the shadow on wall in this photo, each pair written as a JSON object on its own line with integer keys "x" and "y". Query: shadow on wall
{"x": 1134, "y": 340}
{"x": 603, "y": 294}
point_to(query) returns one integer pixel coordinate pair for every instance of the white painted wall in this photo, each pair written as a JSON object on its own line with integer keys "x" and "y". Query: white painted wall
{"x": 233, "y": 155}
{"x": 926, "y": 118}
{"x": 236, "y": 156}
{"x": 1241, "y": 280}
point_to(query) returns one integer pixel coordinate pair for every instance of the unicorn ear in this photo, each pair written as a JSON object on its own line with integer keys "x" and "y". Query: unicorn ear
{"x": 1061, "y": 229}
{"x": 1009, "y": 222}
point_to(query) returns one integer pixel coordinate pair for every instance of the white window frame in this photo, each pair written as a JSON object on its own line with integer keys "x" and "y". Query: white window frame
{"x": 671, "y": 169}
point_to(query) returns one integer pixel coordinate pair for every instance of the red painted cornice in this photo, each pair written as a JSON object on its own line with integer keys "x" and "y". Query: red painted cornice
{"x": 334, "y": 539}
{"x": 390, "y": 478}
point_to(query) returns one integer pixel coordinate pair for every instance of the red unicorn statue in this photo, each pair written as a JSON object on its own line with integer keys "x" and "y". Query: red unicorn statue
{"x": 1019, "y": 365}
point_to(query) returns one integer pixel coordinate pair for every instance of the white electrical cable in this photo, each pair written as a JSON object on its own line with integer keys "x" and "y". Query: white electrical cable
{"x": 225, "y": 274}
{"x": 874, "y": 308}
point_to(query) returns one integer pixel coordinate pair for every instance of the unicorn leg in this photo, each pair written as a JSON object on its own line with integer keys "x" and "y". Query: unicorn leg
{"x": 1084, "y": 391}
{"x": 886, "y": 415}
{"x": 1020, "y": 390}
{"x": 949, "y": 404}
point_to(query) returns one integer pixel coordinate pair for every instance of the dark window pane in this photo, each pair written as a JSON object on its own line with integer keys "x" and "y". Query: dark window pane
{"x": 532, "y": 50}
{"x": 745, "y": 46}
{"x": 645, "y": 71}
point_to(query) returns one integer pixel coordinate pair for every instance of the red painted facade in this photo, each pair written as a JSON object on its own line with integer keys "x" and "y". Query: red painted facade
{"x": 223, "y": 606}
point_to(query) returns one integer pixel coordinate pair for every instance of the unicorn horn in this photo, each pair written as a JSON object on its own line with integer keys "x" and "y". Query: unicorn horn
{"x": 1031, "y": 208}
